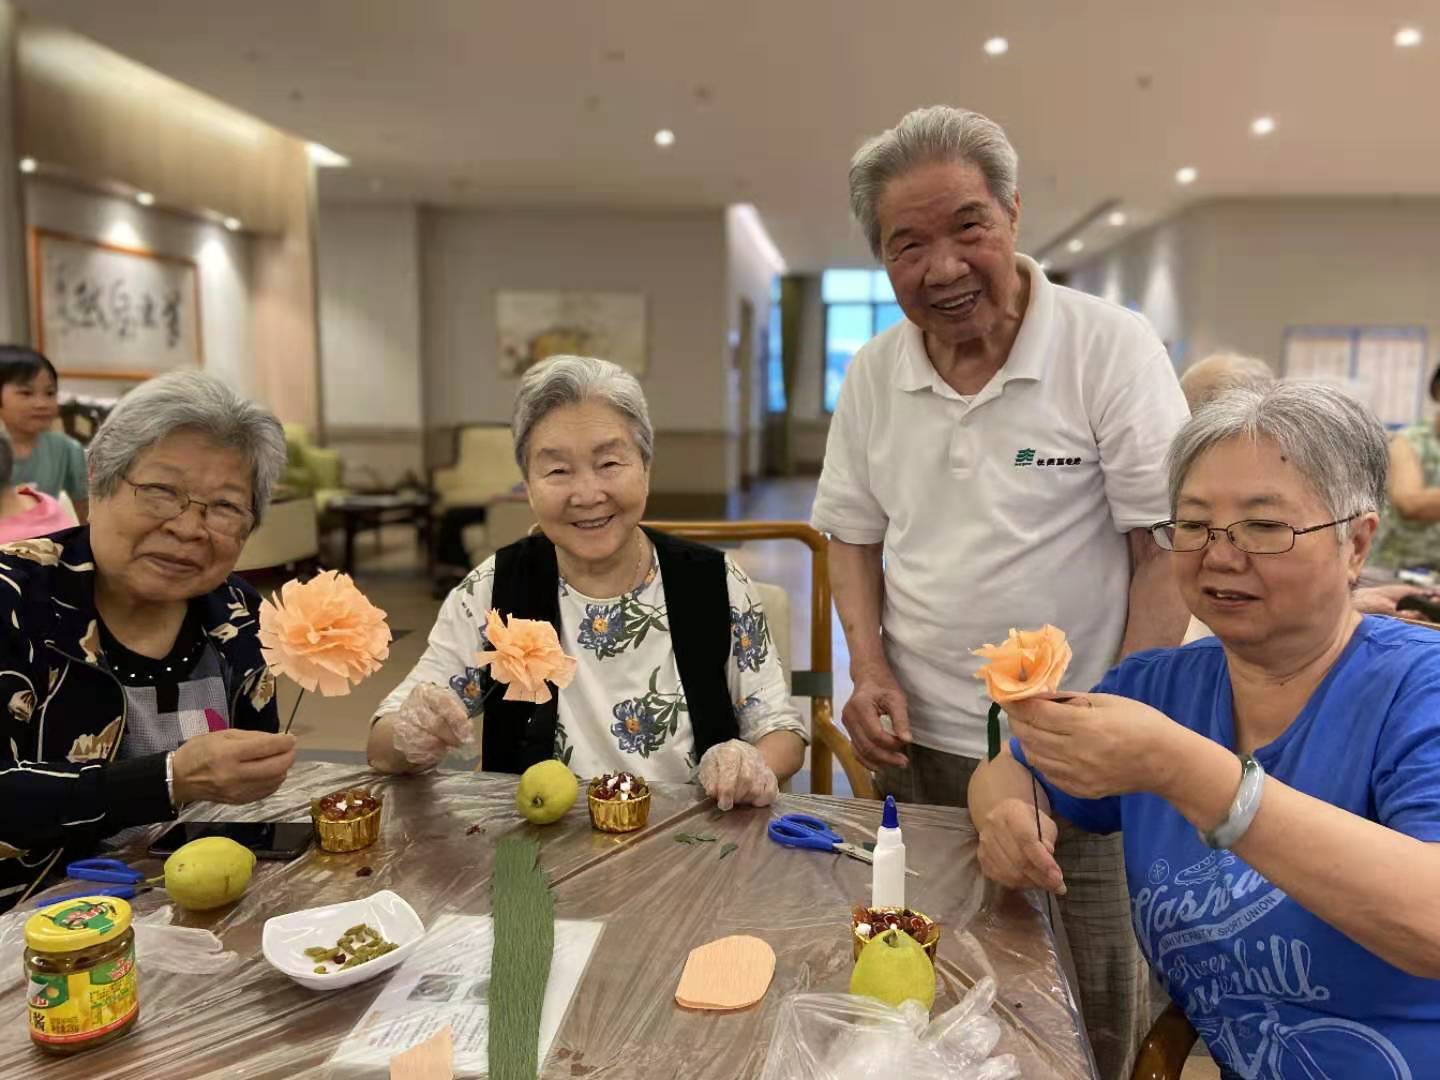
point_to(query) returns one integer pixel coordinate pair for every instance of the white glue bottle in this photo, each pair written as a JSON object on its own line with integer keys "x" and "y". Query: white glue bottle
{"x": 887, "y": 880}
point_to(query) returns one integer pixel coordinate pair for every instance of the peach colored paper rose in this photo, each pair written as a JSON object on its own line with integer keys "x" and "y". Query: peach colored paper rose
{"x": 323, "y": 633}
{"x": 525, "y": 654}
{"x": 1028, "y": 664}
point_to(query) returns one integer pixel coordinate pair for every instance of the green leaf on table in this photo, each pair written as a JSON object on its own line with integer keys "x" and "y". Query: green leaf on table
{"x": 727, "y": 849}
{"x": 523, "y": 915}
{"x": 695, "y": 838}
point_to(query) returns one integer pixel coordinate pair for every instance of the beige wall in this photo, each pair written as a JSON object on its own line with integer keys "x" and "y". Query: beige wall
{"x": 751, "y": 270}
{"x": 1235, "y": 273}
{"x": 678, "y": 260}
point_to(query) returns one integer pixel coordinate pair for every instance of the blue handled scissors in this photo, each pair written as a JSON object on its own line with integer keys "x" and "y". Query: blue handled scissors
{"x": 804, "y": 831}
{"x": 124, "y": 881}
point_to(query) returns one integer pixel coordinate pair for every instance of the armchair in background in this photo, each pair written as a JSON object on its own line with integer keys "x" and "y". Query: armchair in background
{"x": 484, "y": 470}
{"x": 311, "y": 470}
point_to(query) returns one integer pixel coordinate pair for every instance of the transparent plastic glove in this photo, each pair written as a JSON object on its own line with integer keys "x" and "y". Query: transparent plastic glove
{"x": 429, "y": 724}
{"x": 734, "y": 773}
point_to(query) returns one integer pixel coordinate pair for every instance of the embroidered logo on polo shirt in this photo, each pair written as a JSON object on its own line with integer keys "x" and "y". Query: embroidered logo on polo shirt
{"x": 1027, "y": 456}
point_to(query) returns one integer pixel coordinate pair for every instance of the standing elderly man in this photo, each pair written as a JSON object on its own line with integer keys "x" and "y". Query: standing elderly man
{"x": 994, "y": 461}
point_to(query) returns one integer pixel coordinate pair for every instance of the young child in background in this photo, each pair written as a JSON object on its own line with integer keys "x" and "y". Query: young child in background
{"x": 49, "y": 461}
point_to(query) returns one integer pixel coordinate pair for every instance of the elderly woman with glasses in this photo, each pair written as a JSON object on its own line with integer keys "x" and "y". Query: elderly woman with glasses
{"x": 676, "y": 675}
{"x": 131, "y": 679}
{"x": 1278, "y": 784}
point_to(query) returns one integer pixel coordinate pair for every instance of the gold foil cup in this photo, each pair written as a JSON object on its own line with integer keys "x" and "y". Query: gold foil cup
{"x": 612, "y": 815}
{"x": 339, "y": 836}
{"x": 930, "y": 944}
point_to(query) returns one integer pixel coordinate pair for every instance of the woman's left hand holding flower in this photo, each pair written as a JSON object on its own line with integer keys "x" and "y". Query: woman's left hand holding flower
{"x": 1096, "y": 745}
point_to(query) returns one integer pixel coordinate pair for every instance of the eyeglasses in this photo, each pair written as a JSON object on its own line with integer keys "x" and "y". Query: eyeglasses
{"x": 1252, "y": 536}
{"x": 221, "y": 516}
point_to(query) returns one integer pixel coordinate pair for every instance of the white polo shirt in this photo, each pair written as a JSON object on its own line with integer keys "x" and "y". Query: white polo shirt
{"x": 1009, "y": 509}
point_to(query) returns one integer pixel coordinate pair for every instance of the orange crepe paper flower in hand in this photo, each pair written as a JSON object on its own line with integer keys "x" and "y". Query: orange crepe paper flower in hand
{"x": 323, "y": 633}
{"x": 1028, "y": 664}
{"x": 525, "y": 654}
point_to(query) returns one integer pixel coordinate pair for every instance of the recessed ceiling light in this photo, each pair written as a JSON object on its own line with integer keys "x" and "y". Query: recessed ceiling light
{"x": 1117, "y": 218}
{"x": 28, "y": 165}
{"x": 233, "y": 224}
{"x": 1407, "y": 37}
{"x": 1075, "y": 246}
{"x": 1186, "y": 175}
{"x": 1262, "y": 125}
{"x": 144, "y": 198}
{"x": 325, "y": 158}
{"x": 997, "y": 46}
{"x": 664, "y": 137}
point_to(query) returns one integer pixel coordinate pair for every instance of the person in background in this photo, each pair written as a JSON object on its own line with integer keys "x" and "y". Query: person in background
{"x": 25, "y": 512}
{"x": 131, "y": 678}
{"x": 1207, "y": 379}
{"x": 677, "y": 677}
{"x": 1410, "y": 528}
{"x": 50, "y": 461}
{"x": 1278, "y": 784}
{"x": 994, "y": 461}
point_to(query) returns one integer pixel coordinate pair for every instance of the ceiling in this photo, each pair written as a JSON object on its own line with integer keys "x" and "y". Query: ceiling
{"x": 555, "y": 102}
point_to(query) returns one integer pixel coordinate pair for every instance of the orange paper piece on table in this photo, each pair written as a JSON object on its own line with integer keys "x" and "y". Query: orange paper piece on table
{"x": 731, "y": 973}
{"x": 525, "y": 654}
{"x": 1028, "y": 664}
{"x": 433, "y": 1059}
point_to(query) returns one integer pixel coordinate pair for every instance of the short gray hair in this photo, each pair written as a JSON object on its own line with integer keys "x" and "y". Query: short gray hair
{"x": 574, "y": 380}
{"x": 1208, "y": 378}
{"x": 188, "y": 401}
{"x": 939, "y": 133}
{"x": 7, "y": 457}
{"x": 1335, "y": 442}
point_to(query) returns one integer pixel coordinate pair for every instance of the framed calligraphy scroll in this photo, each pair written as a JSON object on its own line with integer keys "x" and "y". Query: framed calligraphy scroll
{"x": 108, "y": 312}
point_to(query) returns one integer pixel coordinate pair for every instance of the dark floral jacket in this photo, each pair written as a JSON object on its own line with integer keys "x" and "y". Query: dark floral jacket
{"x": 62, "y": 714}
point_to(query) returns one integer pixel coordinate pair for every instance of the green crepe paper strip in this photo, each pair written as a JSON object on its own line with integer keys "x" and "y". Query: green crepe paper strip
{"x": 523, "y": 917}
{"x": 992, "y": 730}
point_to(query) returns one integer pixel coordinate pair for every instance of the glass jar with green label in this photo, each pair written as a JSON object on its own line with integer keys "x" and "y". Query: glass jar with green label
{"x": 80, "y": 961}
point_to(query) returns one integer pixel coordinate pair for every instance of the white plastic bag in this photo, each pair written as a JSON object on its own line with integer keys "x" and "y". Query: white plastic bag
{"x": 842, "y": 1037}
{"x": 159, "y": 946}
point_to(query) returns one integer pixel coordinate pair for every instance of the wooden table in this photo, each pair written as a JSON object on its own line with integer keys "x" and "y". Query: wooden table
{"x": 358, "y": 512}
{"x": 658, "y": 899}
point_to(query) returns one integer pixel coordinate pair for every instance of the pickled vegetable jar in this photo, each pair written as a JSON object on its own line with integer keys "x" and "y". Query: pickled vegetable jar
{"x": 80, "y": 961}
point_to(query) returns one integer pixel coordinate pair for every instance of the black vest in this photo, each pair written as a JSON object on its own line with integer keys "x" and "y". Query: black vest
{"x": 518, "y": 734}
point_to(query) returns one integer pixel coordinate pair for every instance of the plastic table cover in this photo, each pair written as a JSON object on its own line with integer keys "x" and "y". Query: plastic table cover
{"x": 658, "y": 900}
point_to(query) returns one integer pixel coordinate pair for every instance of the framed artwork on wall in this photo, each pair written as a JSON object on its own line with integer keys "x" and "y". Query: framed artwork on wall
{"x": 536, "y": 325}
{"x": 102, "y": 311}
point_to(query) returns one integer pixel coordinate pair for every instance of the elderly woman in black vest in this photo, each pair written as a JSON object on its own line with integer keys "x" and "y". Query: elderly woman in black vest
{"x": 677, "y": 676}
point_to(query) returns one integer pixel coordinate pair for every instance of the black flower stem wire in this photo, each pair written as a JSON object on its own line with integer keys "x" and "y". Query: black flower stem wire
{"x": 992, "y": 732}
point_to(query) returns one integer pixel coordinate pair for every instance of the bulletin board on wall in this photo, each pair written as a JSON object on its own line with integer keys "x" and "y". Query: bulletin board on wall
{"x": 102, "y": 311}
{"x": 1386, "y": 366}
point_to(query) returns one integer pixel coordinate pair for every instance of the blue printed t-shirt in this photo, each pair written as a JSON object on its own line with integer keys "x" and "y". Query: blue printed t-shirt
{"x": 1275, "y": 992}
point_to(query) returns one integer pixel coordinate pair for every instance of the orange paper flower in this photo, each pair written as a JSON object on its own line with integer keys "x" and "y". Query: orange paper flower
{"x": 323, "y": 633}
{"x": 1030, "y": 663}
{"x": 525, "y": 655}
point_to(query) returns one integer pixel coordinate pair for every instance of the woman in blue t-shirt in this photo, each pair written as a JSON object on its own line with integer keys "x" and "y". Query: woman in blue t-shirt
{"x": 1278, "y": 784}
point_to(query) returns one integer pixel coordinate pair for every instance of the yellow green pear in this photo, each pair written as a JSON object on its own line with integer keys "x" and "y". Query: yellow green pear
{"x": 547, "y": 791}
{"x": 894, "y": 968}
{"x": 208, "y": 873}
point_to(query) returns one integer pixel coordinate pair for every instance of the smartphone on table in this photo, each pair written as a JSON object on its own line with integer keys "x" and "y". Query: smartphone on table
{"x": 279, "y": 840}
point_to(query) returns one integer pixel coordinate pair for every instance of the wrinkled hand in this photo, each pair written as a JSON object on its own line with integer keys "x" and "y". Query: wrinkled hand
{"x": 430, "y": 723}
{"x": 735, "y": 773}
{"x": 1095, "y": 745}
{"x": 1382, "y": 599}
{"x": 1014, "y": 854}
{"x": 231, "y": 766}
{"x": 877, "y": 694}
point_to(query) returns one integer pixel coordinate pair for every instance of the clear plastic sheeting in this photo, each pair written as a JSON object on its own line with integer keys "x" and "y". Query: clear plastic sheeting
{"x": 658, "y": 899}
{"x": 840, "y": 1037}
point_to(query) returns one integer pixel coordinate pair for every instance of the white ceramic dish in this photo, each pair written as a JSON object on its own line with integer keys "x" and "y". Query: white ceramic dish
{"x": 286, "y": 937}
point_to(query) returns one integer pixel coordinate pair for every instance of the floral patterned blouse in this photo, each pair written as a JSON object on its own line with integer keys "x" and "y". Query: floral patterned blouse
{"x": 626, "y": 708}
